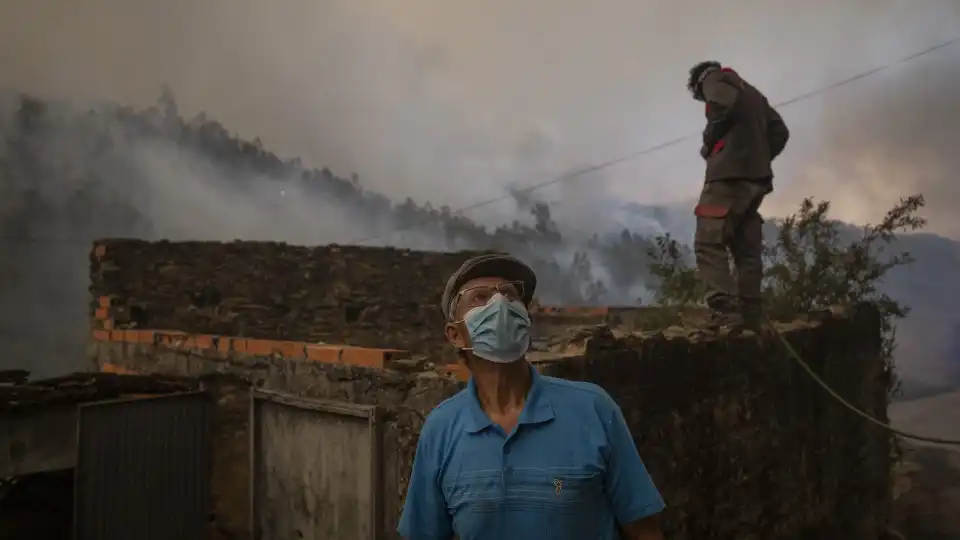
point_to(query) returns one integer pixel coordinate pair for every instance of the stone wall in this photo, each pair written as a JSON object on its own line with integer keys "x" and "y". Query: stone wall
{"x": 742, "y": 442}
{"x": 738, "y": 438}
{"x": 365, "y": 296}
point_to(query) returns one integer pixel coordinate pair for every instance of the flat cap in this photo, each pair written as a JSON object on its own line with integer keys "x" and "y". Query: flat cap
{"x": 492, "y": 265}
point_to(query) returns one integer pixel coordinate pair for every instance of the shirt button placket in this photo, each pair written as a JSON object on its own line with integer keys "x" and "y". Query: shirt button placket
{"x": 504, "y": 456}
{"x": 504, "y": 466}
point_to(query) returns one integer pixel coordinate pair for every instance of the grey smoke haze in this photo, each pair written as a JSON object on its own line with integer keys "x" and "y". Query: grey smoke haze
{"x": 449, "y": 103}
{"x": 446, "y": 101}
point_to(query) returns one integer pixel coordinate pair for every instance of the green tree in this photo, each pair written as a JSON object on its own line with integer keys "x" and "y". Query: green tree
{"x": 812, "y": 262}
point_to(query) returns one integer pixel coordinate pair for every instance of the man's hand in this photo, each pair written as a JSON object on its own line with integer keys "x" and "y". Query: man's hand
{"x": 717, "y": 128}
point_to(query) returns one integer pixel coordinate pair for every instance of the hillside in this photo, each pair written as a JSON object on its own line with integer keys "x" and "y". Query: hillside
{"x": 927, "y": 486}
{"x": 936, "y": 416}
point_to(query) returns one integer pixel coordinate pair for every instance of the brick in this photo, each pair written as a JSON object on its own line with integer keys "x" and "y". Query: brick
{"x": 107, "y": 367}
{"x": 267, "y": 347}
{"x": 291, "y": 349}
{"x": 261, "y": 347}
{"x": 101, "y": 335}
{"x": 175, "y": 340}
{"x": 203, "y": 342}
{"x": 139, "y": 336}
{"x": 372, "y": 358}
{"x": 107, "y": 324}
{"x": 147, "y": 337}
{"x": 323, "y": 353}
{"x": 101, "y": 313}
{"x": 104, "y": 301}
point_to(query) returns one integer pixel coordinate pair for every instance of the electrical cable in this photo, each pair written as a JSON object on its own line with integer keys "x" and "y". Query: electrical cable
{"x": 852, "y": 408}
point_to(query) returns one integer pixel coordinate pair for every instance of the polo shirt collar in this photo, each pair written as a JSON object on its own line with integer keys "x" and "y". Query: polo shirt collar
{"x": 537, "y": 408}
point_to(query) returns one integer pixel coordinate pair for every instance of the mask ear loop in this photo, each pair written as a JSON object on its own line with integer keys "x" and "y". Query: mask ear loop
{"x": 461, "y": 324}
{"x": 462, "y": 327}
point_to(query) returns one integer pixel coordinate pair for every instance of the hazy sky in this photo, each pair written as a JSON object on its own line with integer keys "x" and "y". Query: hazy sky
{"x": 447, "y": 100}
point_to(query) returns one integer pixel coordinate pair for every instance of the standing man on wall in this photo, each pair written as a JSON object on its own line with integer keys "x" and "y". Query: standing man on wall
{"x": 518, "y": 455}
{"x": 744, "y": 134}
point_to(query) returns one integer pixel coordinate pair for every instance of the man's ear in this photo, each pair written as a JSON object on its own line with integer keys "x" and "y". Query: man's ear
{"x": 456, "y": 334}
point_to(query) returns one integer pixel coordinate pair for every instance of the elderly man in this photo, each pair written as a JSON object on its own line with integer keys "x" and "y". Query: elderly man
{"x": 743, "y": 136}
{"x": 518, "y": 455}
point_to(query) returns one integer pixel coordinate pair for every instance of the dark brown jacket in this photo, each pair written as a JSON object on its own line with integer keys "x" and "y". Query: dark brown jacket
{"x": 744, "y": 133}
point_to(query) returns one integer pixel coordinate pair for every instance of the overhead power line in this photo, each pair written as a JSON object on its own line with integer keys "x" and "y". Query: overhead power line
{"x": 667, "y": 144}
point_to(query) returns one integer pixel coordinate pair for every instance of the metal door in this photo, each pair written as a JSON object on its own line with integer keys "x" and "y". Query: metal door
{"x": 315, "y": 468}
{"x": 143, "y": 469}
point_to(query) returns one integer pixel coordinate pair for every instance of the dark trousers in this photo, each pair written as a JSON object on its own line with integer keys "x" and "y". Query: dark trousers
{"x": 728, "y": 223}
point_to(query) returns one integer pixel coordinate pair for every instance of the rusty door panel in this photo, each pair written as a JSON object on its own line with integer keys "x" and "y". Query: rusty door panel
{"x": 315, "y": 469}
{"x": 143, "y": 469}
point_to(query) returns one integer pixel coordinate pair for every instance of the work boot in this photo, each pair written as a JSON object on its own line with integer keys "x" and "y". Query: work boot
{"x": 725, "y": 313}
{"x": 752, "y": 314}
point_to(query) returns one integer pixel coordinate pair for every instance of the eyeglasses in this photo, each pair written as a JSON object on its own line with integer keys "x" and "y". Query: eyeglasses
{"x": 479, "y": 295}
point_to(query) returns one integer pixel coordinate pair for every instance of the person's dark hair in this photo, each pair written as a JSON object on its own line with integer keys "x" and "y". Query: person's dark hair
{"x": 696, "y": 74}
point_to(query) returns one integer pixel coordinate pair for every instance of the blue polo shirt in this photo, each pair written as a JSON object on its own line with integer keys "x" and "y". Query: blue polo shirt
{"x": 569, "y": 470}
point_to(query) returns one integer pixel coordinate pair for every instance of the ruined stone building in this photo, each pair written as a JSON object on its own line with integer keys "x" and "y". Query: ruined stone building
{"x": 320, "y": 364}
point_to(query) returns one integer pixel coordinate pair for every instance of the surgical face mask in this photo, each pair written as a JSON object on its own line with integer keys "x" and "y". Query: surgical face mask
{"x": 499, "y": 330}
